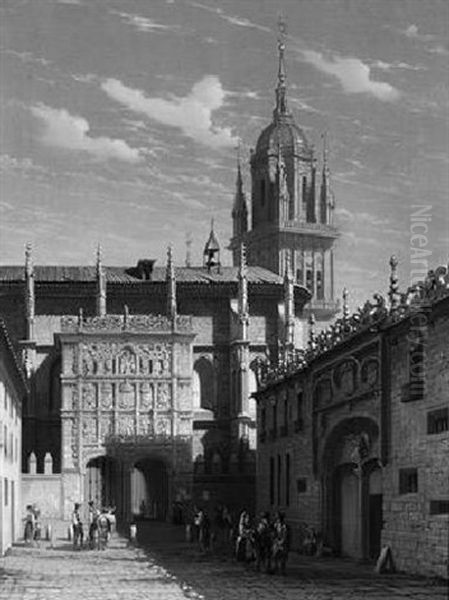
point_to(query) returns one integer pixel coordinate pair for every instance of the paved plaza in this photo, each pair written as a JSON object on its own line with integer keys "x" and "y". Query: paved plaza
{"x": 165, "y": 567}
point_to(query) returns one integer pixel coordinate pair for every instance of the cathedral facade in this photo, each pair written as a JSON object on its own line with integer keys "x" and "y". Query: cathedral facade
{"x": 141, "y": 378}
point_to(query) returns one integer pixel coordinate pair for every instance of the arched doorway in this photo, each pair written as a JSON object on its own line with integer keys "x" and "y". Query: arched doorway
{"x": 353, "y": 489}
{"x": 102, "y": 481}
{"x": 150, "y": 490}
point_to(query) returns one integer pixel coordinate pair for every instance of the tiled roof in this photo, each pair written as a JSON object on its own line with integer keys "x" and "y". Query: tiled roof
{"x": 54, "y": 274}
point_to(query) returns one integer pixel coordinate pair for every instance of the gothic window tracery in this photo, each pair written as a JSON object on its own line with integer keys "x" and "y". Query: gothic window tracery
{"x": 203, "y": 384}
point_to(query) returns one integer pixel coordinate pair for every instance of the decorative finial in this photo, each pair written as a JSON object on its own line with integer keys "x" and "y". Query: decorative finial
{"x": 189, "y": 250}
{"x": 345, "y": 296}
{"x": 242, "y": 258}
{"x": 99, "y": 254}
{"x": 325, "y": 149}
{"x": 28, "y": 257}
{"x": 393, "y": 291}
{"x": 171, "y": 282}
{"x": 312, "y": 331}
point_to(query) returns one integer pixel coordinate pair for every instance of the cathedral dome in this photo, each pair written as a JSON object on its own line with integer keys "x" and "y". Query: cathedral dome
{"x": 286, "y": 134}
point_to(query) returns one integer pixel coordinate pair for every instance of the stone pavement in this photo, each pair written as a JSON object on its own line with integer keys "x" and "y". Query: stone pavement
{"x": 166, "y": 567}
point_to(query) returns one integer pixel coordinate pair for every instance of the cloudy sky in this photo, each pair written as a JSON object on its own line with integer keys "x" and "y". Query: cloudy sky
{"x": 120, "y": 119}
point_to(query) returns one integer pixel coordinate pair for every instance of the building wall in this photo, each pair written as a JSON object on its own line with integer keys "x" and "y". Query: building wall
{"x": 418, "y": 538}
{"x": 11, "y": 508}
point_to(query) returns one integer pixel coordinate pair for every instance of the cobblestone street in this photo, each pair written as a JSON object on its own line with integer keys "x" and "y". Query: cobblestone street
{"x": 165, "y": 568}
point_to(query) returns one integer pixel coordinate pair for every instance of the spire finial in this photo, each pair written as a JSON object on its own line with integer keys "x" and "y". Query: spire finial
{"x": 393, "y": 291}
{"x": 281, "y": 89}
{"x": 28, "y": 257}
{"x": 101, "y": 284}
{"x": 312, "y": 331}
{"x": 345, "y": 295}
{"x": 325, "y": 149}
{"x": 99, "y": 254}
{"x": 189, "y": 249}
{"x": 171, "y": 283}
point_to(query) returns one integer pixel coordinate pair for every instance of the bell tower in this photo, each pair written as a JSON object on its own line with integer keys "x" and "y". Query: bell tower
{"x": 291, "y": 204}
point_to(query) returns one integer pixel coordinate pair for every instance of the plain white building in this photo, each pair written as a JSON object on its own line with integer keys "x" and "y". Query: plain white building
{"x": 12, "y": 392}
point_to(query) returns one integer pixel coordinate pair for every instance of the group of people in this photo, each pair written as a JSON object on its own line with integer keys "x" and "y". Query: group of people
{"x": 33, "y": 528}
{"x": 263, "y": 540}
{"x": 101, "y": 522}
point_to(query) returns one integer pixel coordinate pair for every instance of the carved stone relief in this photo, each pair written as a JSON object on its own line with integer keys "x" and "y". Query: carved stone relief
{"x": 127, "y": 396}
{"x": 163, "y": 396}
{"x": 146, "y": 423}
{"x": 106, "y": 396}
{"x": 370, "y": 372}
{"x": 89, "y": 396}
{"x": 106, "y": 426}
{"x": 146, "y": 396}
{"x": 89, "y": 429}
{"x": 126, "y": 425}
{"x": 162, "y": 426}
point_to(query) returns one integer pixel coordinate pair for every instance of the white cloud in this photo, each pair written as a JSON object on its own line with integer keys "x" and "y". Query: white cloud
{"x": 64, "y": 130}
{"x": 192, "y": 114}
{"x": 380, "y": 64}
{"x": 143, "y": 23}
{"x": 413, "y": 32}
{"x": 233, "y": 20}
{"x": 353, "y": 74}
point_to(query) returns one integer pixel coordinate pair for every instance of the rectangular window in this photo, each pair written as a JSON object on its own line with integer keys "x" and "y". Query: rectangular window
{"x": 299, "y": 423}
{"x": 439, "y": 507}
{"x": 408, "y": 481}
{"x": 415, "y": 387}
{"x": 287, "y": 479}
{"x": 301, "y": 486}
{"x": 271, "y": 481}
{"x": 6, "y": 492}
{"x": 279, "y": 479}
{"x": 5, "y": 439}
{"x": 438, "y": 421}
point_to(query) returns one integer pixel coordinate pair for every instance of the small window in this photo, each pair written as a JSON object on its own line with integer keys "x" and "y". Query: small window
{"x": 6, "y": 492}
{"x": 299, "y": 276}
{"x": 439, "y": 507}
{"x": 408, "y": 481}
{"x": 262, "y": 192}
{"x": 438, "y": 421}
{"x": 287, "y": 479}
{"x": 301, "y": 486}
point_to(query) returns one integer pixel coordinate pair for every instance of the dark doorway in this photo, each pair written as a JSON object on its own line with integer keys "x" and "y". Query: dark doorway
{"x": 375, "y": 524}
{"x": 149, "y": 490}
{"x": 102, "y": 481}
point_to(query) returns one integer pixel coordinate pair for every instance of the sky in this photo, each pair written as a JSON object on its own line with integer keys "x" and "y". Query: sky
{"x": 120, "y": 121}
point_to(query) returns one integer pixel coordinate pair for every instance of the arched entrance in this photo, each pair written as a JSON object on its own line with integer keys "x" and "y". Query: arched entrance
{"x": 102, "y": 481}
{"x": 353, "y": 489}
{"x": 150, "y": 490}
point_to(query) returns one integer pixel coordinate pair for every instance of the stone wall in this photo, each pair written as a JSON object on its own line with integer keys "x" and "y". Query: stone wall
{"x": 418, "y": 539}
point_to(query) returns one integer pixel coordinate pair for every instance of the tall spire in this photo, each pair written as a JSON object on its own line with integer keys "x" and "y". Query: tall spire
{"x": 240, "y": 209}
{"x": 211, "y": 254}
{"x": 29, "y": 292}
{"x": 326, "y": 196}
{"x": 281, "y": 88}
{"x": 171, "y": 285}
{"x": 101, "y": 285}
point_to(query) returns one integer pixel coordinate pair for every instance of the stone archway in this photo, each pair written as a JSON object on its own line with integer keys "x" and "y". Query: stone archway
{"x": 352, "y": 482}
{"x": 150, "y": 489}
{"x": 102, "y": 481}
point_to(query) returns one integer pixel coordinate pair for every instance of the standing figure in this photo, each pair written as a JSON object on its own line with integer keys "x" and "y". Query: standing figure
{"x": 77, "y": 527}
{"x": 37, "y": 524}
{"x": 263, "y": 540}
{"x": 243, "y": 544}
{"x": 30, "y": 522}
{"x": 104, "y": 530}
{"x": 203, "y": 524}
{"x": 281, "y": 544}
{"x": 94, "y": 513}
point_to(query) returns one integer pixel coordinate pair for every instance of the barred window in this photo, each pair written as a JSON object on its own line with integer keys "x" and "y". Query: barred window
{"x": 408, "y": 481}
{"x": 438, "y": 421}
